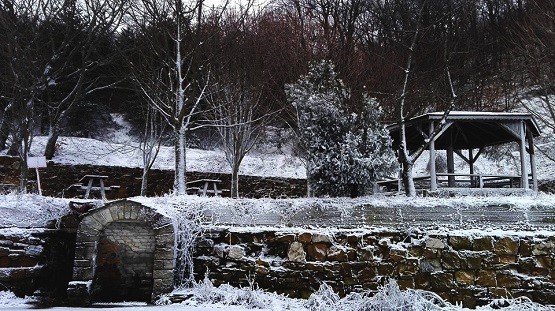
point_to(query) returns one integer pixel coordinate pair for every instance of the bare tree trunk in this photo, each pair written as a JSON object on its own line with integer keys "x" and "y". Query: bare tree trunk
{"x": 144, "y": 181}
{"x": 15, "y": 145}
{"x": 4, "y": 133}
{"x": 180, "y": 186}
{"x": 235, "y": 180}
{"x": 50, "y": 147}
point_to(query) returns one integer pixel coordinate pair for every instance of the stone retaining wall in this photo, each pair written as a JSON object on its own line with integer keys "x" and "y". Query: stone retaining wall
{"x": 471, "y": 270}
{"x": 36, "y": 259}
{"x": 56, "y": 178}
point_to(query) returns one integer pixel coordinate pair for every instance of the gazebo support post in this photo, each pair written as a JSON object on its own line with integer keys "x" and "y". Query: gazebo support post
{"x": 451, "y": 165}
{"x": 433, "y": 177}
{"x": 523, "y": 168}
{"x": 471, "y": 165}
{"x": 532, "y": 153}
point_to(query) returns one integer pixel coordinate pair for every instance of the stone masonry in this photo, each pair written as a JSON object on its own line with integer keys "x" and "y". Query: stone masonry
{"x": 125, "y": 241}
{"x": 124, "y": 262}
{"x": 56, "y": 178}
{"x": 468, "y": 269}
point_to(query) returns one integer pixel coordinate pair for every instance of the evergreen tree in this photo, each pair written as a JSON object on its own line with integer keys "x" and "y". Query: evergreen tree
{"x": 345, "y": 152}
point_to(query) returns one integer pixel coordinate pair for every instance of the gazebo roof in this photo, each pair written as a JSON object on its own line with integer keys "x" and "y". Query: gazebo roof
{"x": 468, "y": 129}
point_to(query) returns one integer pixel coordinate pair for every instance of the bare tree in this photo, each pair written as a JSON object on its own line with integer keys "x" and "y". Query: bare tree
{"x": 534, "y": 48}
{"x": 169, "y": 73}
{"x": 151, "y": 140}
{"x": 405, "y": 158}
{"x": 97, "y": 20}
{"x": 239, "y": 118}
{"x": 24, "y": 66}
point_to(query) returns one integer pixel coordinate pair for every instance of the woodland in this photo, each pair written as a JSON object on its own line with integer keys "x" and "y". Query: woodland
{"x": 183, "y": 69}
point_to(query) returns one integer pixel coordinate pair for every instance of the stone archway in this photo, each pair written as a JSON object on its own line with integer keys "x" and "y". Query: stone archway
{"x": 124, "y": 251}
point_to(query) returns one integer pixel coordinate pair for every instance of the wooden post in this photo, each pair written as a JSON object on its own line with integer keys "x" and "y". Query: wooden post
{"x": 450, "y": 166}
{"x": 523, "y": 170}
{"x": 433, "y": 181}
{"x": 532, "y": 153}
{"x": 471, "y": 165}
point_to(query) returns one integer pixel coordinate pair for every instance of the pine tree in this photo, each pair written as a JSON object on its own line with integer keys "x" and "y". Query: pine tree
{"x": 345, "y": 152}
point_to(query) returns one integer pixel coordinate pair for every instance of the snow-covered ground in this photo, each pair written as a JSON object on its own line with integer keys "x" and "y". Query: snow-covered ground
{"x": 121, "y": 149}
{"x": 205, "y": 297}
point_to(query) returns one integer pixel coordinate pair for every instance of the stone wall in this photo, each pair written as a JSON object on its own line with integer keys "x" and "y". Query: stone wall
{"x": 119, "y": 253}
{"x": 56, "y": 178}
{"x": 36, "y": 259}
{"x": 471, "y": 270}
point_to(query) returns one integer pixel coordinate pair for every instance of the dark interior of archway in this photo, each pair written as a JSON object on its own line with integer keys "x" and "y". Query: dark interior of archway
{"x": 124, "y": 263}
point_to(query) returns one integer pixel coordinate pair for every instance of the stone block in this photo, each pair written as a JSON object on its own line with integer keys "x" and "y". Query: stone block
{"x": 525, "y": 248}
{"x": 78, "y": 293}
{"x": 114, "y": 212}
{"x": 507, "y": 259}
{"x": 367, "y": 274}
{"x": 366, "y": 253}
{"x": 450, "y": 260}
{"x": 471, "y": 260}
{"x": 321, "y": 238}
{"x": 397, "y": 254}
{"x": 422, "y": 280}
{"x": 544, "y": 262}
{"x": 317, "y": 251}
{"x": 434, "y": 243}
{"x": 81, "y": 263}
{"x": 34, "y": 250}
{"x": 483, "y": 244}
{"x": 385, "y": 269}
{"x": 506, "y": 246}
{"x": 285, "y": 238}
{"x": 305, "y": 237}
{"x": 161, "y": 286}
{"x": 163, "y": 264}
{"x": 409, "y": 267}
{"x": 163, "y": 274}
{"x": 508, "y": 280}
{"x": 465, "y": 277}
{"x": 106, "y": 215}
{"x": 460, "y": 242}
{"x": 134, "y": 213}
{"x": 336, "y": 253}
{"x": 441, "y": 281}
{"x": 416, "y": 251}
{"x": 82, "y": 273}
{"x": 164, "y": 253}
{"x": 236, "y": 252}
{"x": 405, "y": 283}
{"x": 545, "y": 248}
{"x": 429, "y": 253}
{"x": 296, "y": 252}
{"x": 486, "y": 278}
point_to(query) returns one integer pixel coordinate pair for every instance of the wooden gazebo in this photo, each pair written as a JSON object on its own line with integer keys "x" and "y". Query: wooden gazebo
{"x": 472, "y": 131}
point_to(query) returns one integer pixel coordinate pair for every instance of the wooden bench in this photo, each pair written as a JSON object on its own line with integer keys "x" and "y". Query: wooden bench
{"x": 204, "y": 187}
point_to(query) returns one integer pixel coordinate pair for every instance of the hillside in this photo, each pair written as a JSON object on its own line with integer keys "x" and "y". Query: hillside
{"x": 120, "y": 148}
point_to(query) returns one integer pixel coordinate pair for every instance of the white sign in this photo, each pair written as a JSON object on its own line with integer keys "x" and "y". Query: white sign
{"x": 36, "y": 162}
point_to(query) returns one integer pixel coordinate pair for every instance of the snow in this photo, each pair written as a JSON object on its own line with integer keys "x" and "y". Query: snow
{"x": 205, "y": 297}
{"x": 20, "y": 214}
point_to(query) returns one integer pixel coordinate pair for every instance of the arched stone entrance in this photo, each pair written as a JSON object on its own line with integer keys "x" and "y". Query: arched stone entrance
{"x": 124, "y": 251}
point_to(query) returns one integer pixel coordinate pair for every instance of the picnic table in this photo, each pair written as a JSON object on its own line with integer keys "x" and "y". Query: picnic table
{"x": 204, "y": 187}
{"x": 93, "y": 183}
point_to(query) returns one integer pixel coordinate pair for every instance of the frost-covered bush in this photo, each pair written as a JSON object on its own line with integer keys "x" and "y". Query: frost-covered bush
{"x": 345, "y": 151}
{"x": 388, "y": 298}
